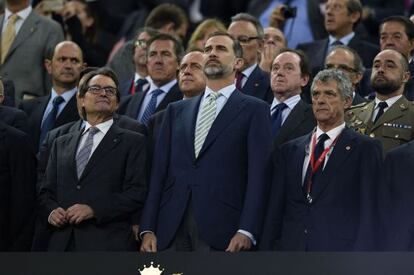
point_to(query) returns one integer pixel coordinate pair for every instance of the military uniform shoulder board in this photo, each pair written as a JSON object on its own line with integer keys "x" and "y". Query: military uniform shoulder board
{"x": 358, "y": 105}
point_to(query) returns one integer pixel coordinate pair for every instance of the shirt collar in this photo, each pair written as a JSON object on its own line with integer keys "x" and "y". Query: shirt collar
{"x": 290, "y": 102}
{"x": 138, "y": 76}
{"x": 247, "y": 72}
{"x": 103, "y": 127}
{"x": 345, "y": 39}
{"x": 165, "y": 88}
{"x": 390, "y": 101}
{"x": 226, "y": 91}
{"x": 23, "y": 14}
{"x": 67, "y": 95}
{"x": 333, "y": 133}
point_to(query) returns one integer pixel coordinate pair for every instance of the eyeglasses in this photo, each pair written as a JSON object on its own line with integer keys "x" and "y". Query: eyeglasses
{"x": 341, "y": 67}
{"x": 244, "y": 39}
{"x": 96, "y": 90}
{"x": 140, "y": 43}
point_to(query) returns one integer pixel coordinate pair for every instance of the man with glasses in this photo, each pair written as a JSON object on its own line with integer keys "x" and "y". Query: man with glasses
{"x": 347, "y": 60}
{"x": 95, "y": 179}
{"x": 139, "y": 81}
{"x": 164, "y": 53}
{"x": 250, "y": 79}
{"x": 59, "y": 107}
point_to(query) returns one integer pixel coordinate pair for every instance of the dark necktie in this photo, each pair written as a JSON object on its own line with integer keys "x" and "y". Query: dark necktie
{"x": 239, "y": 79}
{"x": 277, "y": 118}
{"x": 382, "y": 105}
{"x": 152, "y": 105}
{"x": 83, "y": 156}
{"x": 139, "y": 85}
{"x": 319, "y": 148}
{"x": 49, "y": 121}
{"x": 336, "y": 43}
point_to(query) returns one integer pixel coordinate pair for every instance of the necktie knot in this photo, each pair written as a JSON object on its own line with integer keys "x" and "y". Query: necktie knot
{"x": 337, "y": 43}
{"x": 13, "y": 18}
{"x": 321, "y": 145}
{"x": 279, "y": 107}
{"x": 157, "y": 92}
{"x": 93, "y": 130}
{"x": 239, "y": 79}
{"x": 214, "y": 96}
{"x": 382, "y": 105}
{"x": 57, "y": 101}
{"x": 139, "y": 84}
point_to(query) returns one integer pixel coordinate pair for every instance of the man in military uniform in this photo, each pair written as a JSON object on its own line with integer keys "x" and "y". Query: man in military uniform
{"x": 390, "y": 117}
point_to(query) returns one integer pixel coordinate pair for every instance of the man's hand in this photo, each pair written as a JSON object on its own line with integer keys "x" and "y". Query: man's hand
{"x": 268, "y": 55}
{"x": 149, "y": 242}
{"x": 277, "y": 20}
{"x": 78, "y": 213}
{"x": 135, "y": 231}
{"x": 58, "y": 217}
{"x": 239, "y": 242}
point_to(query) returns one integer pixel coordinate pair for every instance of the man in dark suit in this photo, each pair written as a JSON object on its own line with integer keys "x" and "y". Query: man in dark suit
{"x": 291, "y": 116}
{"x": 199, "y": 199}
{"x": 395, "y": 200}
{"x": 251, "y": 80}
{"x": 341, "y": 18}
{"x": 17, "y": 189}
{"x": 163, "y": 56}
{"x": 139, "y": 81}
{"x": 347, "y": 60}
{"x": 35, "y": 35}
{"x": 323, "y": 195}
{"x": 95, "y": 179}
{"x": 390, "y": 116}
{"x": 12, "y": 116}
{"x": 58, "y": 108}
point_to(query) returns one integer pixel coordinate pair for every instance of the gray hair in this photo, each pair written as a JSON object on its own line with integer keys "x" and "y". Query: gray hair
{"x": 250, "y": 18}
{"x": 342, "y": 81}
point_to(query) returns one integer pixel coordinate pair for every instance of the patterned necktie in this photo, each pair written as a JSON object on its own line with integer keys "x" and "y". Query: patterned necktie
{"x": 239, "y": 79}
{"x": 8, "y": 36}
{"x": 277, "y": 118}
{"x": 320, "y": 146}
{"x": 152, "y": 105}
{"x": 49, "y": 121}
{"x": 206, "y": 119}
{"x": 84, "y": 153}
{"x": 139, "y": 85}
{"x": 382, "y": 105}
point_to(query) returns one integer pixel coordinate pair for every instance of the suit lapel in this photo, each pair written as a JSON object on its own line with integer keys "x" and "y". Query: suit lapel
{"x": 111, "y": 139}
{"x": 69, "y": 113}
{"x": 395, "y": 111}
{"x": 342, "y": 150}
{"x": 299, "y": 158}
{"x": 28, "y": 28}
{"x": 298, "y": 114}
{"x": 254, "y": 85}
{"x": 38, "y": 112}
{"x": 135, "y": 105}
{"x": 230, "y": 110}
{"x": 71, "y": 146}
{"x": 173, "y": 94}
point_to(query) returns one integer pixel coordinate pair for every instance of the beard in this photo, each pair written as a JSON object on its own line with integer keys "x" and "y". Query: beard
{"x": 385, "y": 87}
{"x": 216, "y": 70}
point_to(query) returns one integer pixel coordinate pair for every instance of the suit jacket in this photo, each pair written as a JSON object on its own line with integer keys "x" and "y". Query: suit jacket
{"x": 36, "y": 36}
{"x": 14, "y": 117}
{"x": 257, "y": 7}
{"x": 35, "y": 109}
{"x": 17, "y": 189}
{"x": 258, "y": 85}
{"x": 112, "y": 184}
{"x": 395, "y": 200}
{"x": 317, "y": 51}
{"x": 342, "y": 214}
{"x": 299, "y": 122}
{"x": 133, "y": 104}
{"x": 223, "y": 198}
{"x": 395, "y": 127}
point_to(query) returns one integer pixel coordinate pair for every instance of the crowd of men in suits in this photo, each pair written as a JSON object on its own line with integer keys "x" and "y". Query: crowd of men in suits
{"x": 220, "y": 149}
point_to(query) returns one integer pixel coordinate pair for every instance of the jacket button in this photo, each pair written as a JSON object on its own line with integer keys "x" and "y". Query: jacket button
{"x": 78, "y": 187}
{"x": 305, "y": 231}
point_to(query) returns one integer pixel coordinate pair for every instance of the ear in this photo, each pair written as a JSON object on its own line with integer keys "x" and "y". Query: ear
{"x": 355, "y": 16}
{"x": 238, "y": 63}
{"x": 348, "y": 102}
{"x": 406, "y": 76}
{"x": 80, "y": 100}
{"x": 260, "y": 43}
{"x": 48, "y": 66}
{"x": 1, "y": 99}
{"x": 356, "y": 78}
{"x": 304, "y": 79}
{"x": 89, "y": 22}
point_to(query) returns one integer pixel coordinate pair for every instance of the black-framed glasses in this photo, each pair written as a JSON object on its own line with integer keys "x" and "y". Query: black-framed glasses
{"x": 140, "y": 43}
{"x": 96, "y": 90}
{"x": 244, "y": 39}
{"x": 341, "y": 67}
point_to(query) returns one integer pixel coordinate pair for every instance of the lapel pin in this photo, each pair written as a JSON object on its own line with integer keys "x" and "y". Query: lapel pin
{"x": 115, "y": 140}
{"x": 348, "y": 148}
{"x": 256, "y": 84}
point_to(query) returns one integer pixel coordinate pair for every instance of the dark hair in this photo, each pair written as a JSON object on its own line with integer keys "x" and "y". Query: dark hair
{"x": 83, "y": 88}
{"x": 92, "y": 31}
{"x": 237, "y": 48}
{"x": 151, "y": 32}
{"x": 355, "y": 6}
{"x": 304, "y": 62}
{"x": 178, "y": 47}
{"x": 408, "y": 25}
{"x": 250, "y": 18}
{"x": 164, "y": 14}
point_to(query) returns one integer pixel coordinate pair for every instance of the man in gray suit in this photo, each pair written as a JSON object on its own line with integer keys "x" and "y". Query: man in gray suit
{"x": 26, "y": 38}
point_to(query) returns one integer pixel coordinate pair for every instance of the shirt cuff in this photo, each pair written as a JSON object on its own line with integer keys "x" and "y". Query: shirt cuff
{"x": 144, "y": 232}
{"x": 48, "y": 218}
{"x": 248, "y": 234}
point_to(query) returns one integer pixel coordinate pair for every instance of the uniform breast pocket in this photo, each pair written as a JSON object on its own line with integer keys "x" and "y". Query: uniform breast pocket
{"x": 397, "y": 132}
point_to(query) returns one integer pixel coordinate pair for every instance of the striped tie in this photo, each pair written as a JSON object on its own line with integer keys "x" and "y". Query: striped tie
{"x": 83, "y": 156}
{"x": 207, "y": 116}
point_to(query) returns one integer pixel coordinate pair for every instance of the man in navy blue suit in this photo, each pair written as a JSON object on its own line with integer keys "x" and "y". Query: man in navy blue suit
{"x": 324, "y": 187}
{"x": 211, "y": 163}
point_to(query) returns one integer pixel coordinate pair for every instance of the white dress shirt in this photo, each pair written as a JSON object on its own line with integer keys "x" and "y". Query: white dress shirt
{"x": 23, "y": 14}
{"x": 290, "y": 102}
{"x": 389, "y": 101}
